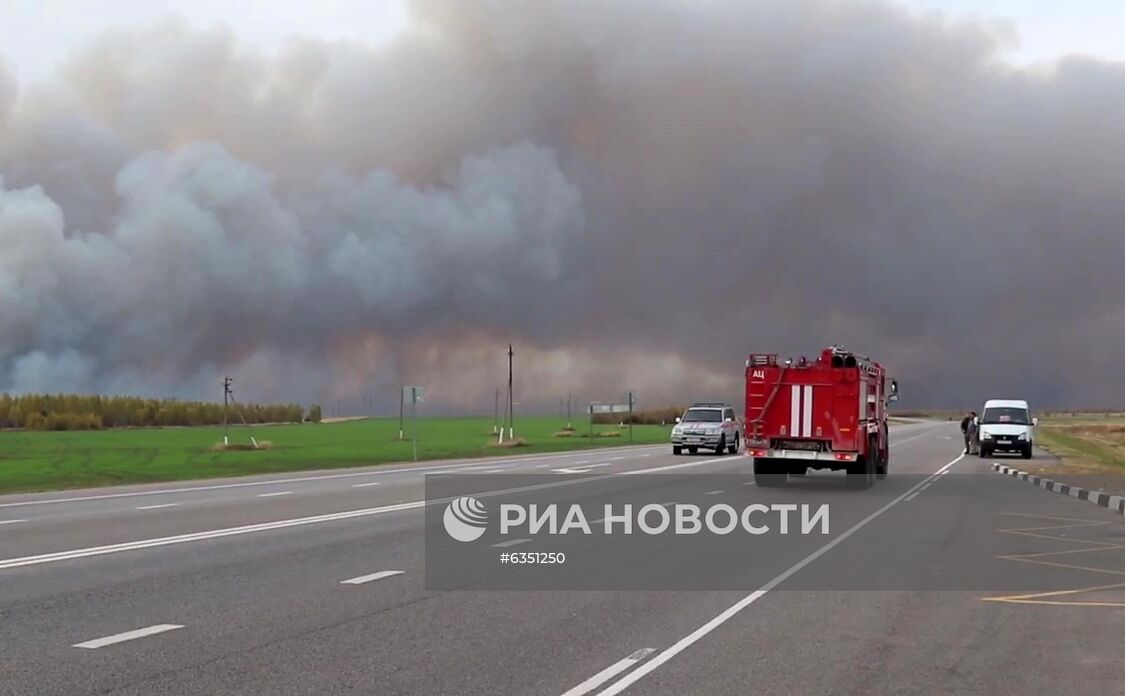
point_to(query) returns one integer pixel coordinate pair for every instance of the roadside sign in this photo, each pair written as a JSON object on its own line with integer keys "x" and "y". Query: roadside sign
{"x": 415, "y": 394}
{"x": 609, "y": 408}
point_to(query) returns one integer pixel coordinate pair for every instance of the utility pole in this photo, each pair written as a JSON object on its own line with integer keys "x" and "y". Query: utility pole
{"x": 511, "y": 404}
{"x": 226, "y": 395}
{"x": 630, "y": 416}
{"x": 401, "y": 399}
{"x": 496, "y": 413}
{"x": 568, "y": 400}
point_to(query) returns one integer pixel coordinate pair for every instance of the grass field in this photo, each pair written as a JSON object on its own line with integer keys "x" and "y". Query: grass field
{"x": 1085, "y": 443}
{"x": 37, "y": 461}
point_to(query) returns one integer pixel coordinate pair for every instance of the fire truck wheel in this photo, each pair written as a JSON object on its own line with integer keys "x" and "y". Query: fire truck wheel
{"x": 768, "y": 473}
{"x": 722, "y": 446}
{"x": 884, "y": 465}
{"x": 676, "y": 449}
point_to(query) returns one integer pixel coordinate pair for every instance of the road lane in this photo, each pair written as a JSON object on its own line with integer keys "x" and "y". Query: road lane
{"x": 266, "y": 614}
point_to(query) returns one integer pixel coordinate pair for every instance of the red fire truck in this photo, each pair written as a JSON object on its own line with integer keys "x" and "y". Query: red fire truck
{"x": 828, "y": 413}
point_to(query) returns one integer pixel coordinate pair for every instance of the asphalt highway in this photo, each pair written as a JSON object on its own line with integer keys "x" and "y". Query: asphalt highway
{"x": 315, "y": 584}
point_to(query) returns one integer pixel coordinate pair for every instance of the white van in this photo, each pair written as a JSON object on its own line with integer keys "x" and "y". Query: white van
{"x": 1006, "y": 425}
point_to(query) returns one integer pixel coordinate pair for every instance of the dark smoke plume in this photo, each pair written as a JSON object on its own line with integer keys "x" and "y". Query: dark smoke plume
{"x": 635, "y": 193}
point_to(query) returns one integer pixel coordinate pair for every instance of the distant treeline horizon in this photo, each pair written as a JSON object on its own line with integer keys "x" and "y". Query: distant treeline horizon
{"x": 95, "y": 412}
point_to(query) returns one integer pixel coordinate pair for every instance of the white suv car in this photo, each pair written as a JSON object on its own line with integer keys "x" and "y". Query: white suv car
{"x": 711, "y": 426}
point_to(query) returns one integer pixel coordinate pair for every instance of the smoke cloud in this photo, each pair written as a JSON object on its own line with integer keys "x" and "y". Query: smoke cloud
{"x": 636, "y": 194}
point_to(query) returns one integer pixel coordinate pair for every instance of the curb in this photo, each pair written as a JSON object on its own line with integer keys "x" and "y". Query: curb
{"x": 1111, "y": 502}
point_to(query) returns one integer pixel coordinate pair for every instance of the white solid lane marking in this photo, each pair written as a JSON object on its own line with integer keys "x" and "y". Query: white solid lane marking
{"x": 11, "y": 521}
{"x": 274, "y": 495}
{"x": 925, "y": 486}
{"x": 495, "y": 471}
{"x": 365, "y": 485}
{"x": 712, "y": 492}
{"x": 197, "y": 536}
{"x": 157, "y": 507}
{"x": 513, "y": 542}
{"x": 127, "y": 635}
{"x": 372, "y": 578}
{"x": 609, "y": 673}
{"x": 322, "y": 477}
{"x": 750, "y": 483}
{"x": 693, "y": 637}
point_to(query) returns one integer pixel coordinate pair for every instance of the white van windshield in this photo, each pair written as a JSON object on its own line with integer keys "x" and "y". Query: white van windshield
{"x": 1005, "y": 416}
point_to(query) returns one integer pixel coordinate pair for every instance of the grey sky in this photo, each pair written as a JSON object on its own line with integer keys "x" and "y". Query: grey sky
{"x": 36, "y": 34}
{"x": 635, "y": 193}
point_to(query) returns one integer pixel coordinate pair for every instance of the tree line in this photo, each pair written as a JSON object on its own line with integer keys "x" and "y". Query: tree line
{"x": 83, "y": 412}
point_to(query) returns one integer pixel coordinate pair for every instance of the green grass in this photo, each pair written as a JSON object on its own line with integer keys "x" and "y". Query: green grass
{"x": 1101, "y": 443}
{"x": 38, "y": 461}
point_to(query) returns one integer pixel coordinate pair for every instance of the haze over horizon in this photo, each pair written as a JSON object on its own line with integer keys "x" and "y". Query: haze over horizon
{"x": 635, "y": 194}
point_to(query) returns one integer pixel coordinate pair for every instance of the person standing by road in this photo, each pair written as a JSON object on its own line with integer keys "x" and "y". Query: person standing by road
{"x": 965, "y": 429}
{"x": 971, "y": 436}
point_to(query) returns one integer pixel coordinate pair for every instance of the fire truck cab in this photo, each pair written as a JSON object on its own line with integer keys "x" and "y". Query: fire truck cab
{"x": 827, "y": 413}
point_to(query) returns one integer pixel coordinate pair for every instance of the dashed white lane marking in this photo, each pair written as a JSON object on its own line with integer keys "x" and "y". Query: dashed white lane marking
{"x": 616, "y": 459}
{"x": 157, "y": 507}
{"x": 513, "y": 542}
{"x": 495, "y": 471}
{"x": 365, "y": 485}
{"x": 274, "y": 495}
{"x": 925, "y": 486}
{"x": 127, "y": 635}
{"x": 372, "y": 577}
{"x": 750, "y": 483}
{"x": 696, "y": 635}
{"x": 11, "y": 521}
{"x": 576, "y": 469}
{"x": 712, "y": 492}
{"x": 912, "y": 496}
{"x": 609, "y": 673}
